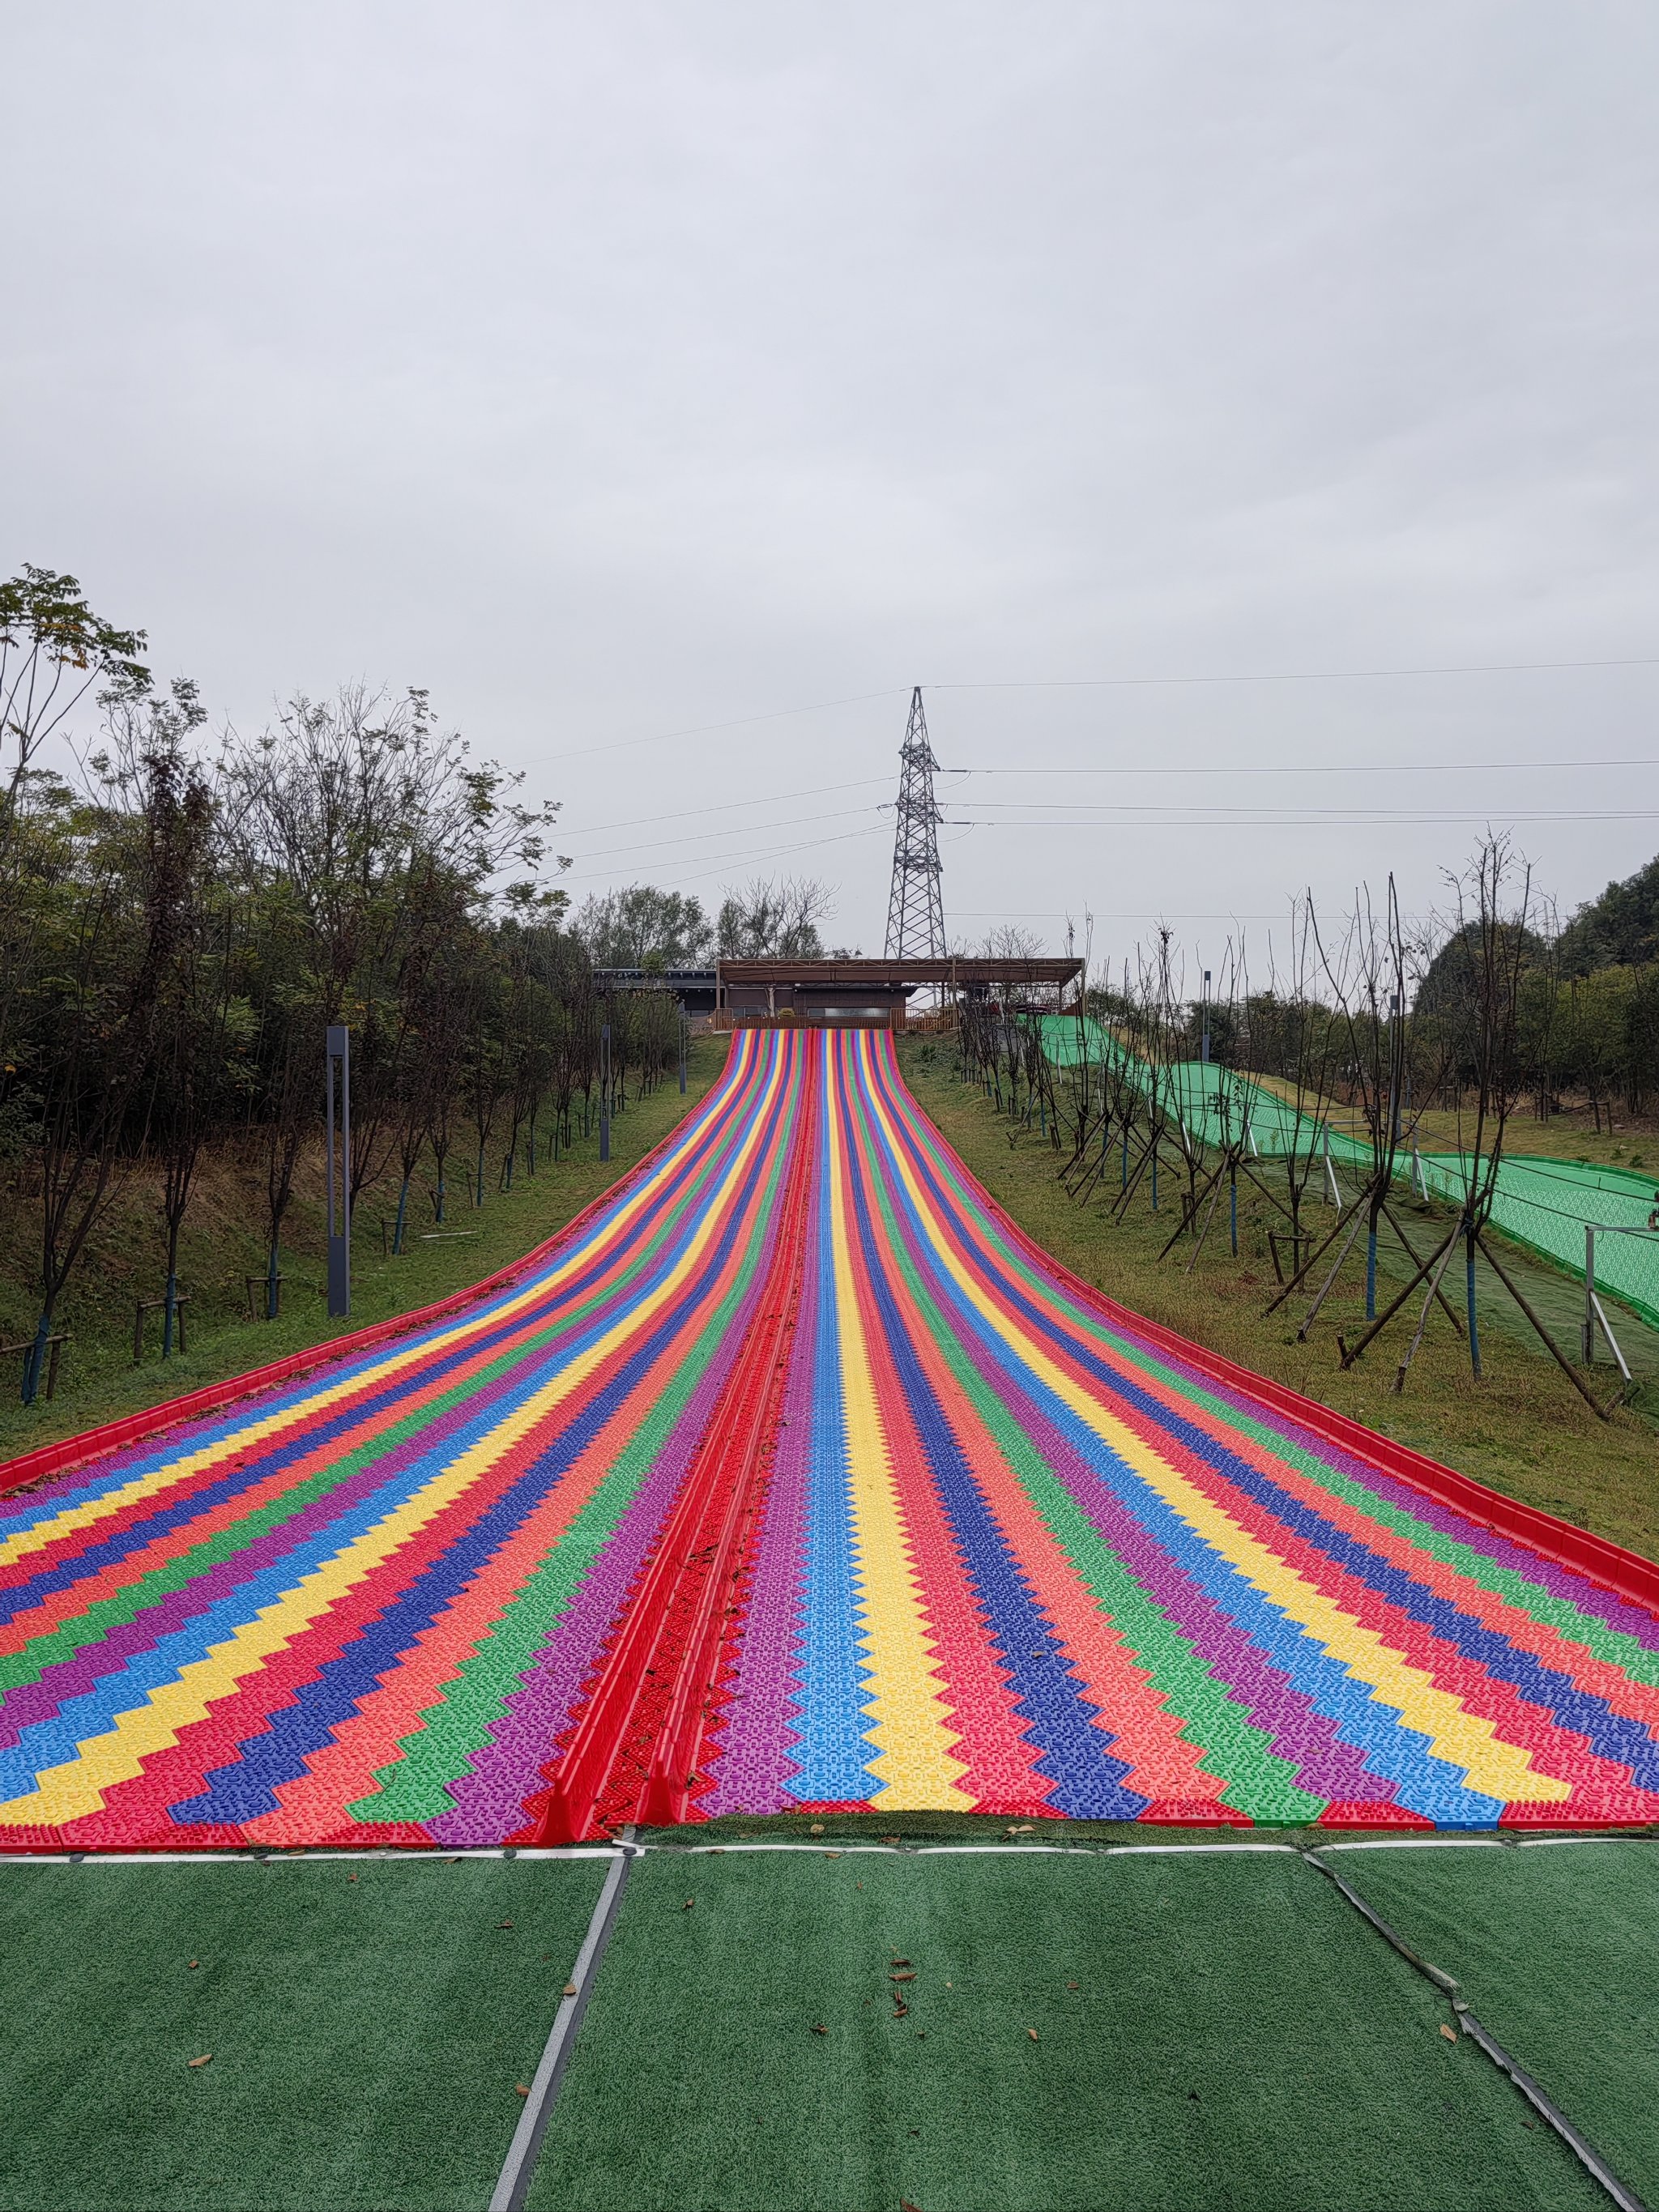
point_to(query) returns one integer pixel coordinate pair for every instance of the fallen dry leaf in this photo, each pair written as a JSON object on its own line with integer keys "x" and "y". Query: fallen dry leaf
{"x": 568, "y": 1990}
{"x": 897, "y": 1961}
{"x": 899, "y": 2008}
{"x": 522, "y": 2087}
{"x": 820, "y": 2030}
{"x": 1032, "y": 2032}
{"x": 910, "y": 1977}
{"x": 892, "y": 1839}
{"x": 202, "y": 2060}
{"x": 1451, "y": 2033}
{"x": 832, "y": 1855}
{"x": 195, "y": 1962}
{"x": 503, "y": 1923}
{"x": 688, "y": 1905}
{"x": 1071, "y": 1985}
{"x": 817, "y": 1828}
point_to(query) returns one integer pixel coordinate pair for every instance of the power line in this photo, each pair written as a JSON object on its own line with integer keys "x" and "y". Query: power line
{"x": 707, "y": 729}
{"x": 726, "y": 807}
{"x": 748, "y": 860}
{"x": 1222, "y": 818}
{"x": 1085, "y": 912}
{"x": 745, "y": 830}
{"x": 1324, "y": 768}
{"x": 1296, "y": 676}
{"x": 1097, "y": 683}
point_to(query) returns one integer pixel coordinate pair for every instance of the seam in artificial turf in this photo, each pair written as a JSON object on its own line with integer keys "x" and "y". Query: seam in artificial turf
{"x": 1585, "y": 2152}
{"x": 518, "y": 2167}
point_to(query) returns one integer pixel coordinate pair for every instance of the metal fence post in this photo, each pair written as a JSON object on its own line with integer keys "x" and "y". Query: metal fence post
{"x": 1589, "y": 1294}
{"x": 339, "y": 1174}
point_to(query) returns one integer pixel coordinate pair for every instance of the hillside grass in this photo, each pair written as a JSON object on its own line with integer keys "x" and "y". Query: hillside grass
{"x": 224, "y": 1243}
{"x": 1523, "y": 1428}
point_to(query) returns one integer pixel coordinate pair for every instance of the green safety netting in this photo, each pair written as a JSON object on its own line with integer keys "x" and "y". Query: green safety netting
{"x": 1544, "y": 1204}
{"x": 1547, "y": 1204}
{"x": 1212, "y": 1105}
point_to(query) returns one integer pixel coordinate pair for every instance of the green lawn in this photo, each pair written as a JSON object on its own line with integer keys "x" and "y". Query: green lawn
{"x": 1556, "y": 1946}
{"x": 1173, "y": 2030}
{"x": 1210, "y": 2032}
{"x": 100, "y": 1381}
{"x": 366, "y": 2025}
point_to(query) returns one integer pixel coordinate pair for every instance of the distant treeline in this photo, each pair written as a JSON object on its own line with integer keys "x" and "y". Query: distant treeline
{"x": 1580, "y": 1005}
{"x": 184, "y": 914}
{"x": 182, "y": 917}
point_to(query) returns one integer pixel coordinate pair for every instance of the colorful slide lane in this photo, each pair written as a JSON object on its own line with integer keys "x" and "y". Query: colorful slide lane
{"x": 793, "y": 1478}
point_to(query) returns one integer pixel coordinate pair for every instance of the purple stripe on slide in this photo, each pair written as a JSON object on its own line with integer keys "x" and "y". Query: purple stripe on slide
{"x": 753, "y": 1764}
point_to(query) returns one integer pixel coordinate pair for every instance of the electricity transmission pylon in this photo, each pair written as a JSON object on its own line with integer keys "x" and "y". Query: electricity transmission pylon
{"x": 915, "y": 906}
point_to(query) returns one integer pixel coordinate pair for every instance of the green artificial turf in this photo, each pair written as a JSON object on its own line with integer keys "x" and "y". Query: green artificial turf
{"x": 1557, "y": 1947}
{"x": 1238, "y": 2037}
{"x": 368, "y": 2023}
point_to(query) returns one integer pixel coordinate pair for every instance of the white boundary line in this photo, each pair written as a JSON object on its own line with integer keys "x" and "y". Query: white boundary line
{"x": 826, "y": 1851}
{"x": 1538, "y": 1843}
{"x": 257, "y": 1859}
{"x": 1421, "y": 1844}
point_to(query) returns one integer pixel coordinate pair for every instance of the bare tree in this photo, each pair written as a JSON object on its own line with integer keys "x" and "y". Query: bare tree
{"x": 774, "y": 919}
{"x": 193, "y": 925}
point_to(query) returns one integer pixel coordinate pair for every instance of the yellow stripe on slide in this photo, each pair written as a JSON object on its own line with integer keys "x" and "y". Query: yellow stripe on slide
{"x": 910, "y": 1727}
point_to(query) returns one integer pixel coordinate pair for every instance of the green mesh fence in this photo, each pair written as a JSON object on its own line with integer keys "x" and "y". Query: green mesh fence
{"x": 1214, "y": 1105}
{"x": 1546, "y": 1205}
{"x": 1542, "y": 1203}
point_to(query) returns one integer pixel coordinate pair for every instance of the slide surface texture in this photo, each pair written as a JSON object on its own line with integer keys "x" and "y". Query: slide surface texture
{"x": 794, "y": 1477}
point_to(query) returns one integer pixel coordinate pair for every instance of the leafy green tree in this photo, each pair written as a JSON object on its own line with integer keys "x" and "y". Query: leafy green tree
{"x": 54, "y": 650}
{"x": 641, "y": 927}
{"x": 1621, "y": 929}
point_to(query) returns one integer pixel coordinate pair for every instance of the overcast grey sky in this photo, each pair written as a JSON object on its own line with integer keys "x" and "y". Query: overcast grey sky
{"x": 617, "y": 371}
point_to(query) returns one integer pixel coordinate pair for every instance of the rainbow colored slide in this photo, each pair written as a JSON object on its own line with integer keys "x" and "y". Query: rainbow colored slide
{"x": 795, "y": 1477}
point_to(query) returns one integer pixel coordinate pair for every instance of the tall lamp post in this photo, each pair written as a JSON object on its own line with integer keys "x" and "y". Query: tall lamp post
{"x": 604, "y": 1091}
{"x": 339, "y": 1172}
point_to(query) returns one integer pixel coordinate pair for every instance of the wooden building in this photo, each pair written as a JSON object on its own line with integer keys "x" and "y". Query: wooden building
{"x": 873, "y": 994}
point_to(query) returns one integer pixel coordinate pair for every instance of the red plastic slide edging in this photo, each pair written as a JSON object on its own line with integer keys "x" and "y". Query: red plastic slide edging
{"x": 132, "y": 1428}
{"x": 1607, "y": 1565}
